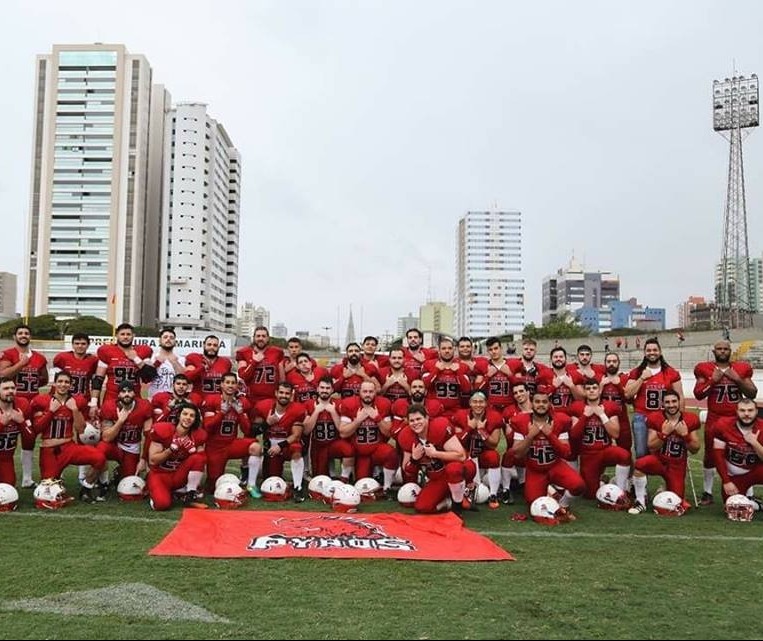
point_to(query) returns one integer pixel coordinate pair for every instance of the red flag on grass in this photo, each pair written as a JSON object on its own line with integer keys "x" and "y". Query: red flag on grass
{"x": 248, "y": 533}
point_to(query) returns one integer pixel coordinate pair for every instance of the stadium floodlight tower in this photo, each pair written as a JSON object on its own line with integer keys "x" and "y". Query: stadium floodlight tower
{"x": 735, "y": 110}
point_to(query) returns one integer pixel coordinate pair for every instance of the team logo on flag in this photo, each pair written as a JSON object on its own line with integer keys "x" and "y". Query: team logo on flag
{"x": 323, "y": 531}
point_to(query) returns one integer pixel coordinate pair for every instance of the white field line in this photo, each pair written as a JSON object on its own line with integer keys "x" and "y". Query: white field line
{"x": 541, "y": 534}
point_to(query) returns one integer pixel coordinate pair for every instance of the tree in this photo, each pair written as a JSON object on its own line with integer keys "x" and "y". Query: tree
{"x": 44, "y": 326}
{"x": 564, "y": 326}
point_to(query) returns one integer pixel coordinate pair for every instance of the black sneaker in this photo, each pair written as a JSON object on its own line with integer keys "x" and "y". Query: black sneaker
{"x": 507, "y": 498}
{"x": 102, "y": 492}
{"x": 86, "y": 494}
{"x": 390, "y": 494}
{"x": 456, "y": 509}
{"x": 189, "y": 497}
{"x": 244, "y": 475}
{"x": 707, "y": 499}
{"x": 638, "y": 508}
{"x": 299, "y": 495}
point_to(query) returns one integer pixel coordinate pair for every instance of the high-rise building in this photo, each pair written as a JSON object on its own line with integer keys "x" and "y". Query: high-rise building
{"x": 685, "y": 309}
{"x": 404, "y": 323}
{"x": 490, "y": 289}
{"x": 279, "y": 330}
{"x": 436, "y": 317}
{"x": 250, "y": 317}
{"x": 573, "y": 288}
{"x": 7, "y": 296}
{"x": 201, "y": 223}
{"x": 96, "y": 171}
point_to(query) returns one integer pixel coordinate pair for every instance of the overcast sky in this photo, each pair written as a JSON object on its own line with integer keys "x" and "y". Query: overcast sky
{"x": 367, "y": 129}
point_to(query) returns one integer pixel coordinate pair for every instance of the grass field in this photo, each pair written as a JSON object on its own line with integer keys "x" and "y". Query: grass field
{"x": 608, "y": 575}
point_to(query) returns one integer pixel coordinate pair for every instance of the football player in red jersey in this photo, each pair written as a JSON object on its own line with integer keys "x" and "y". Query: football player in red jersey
{"x": 176, "y": 459}
{"x": 57, "y": 417}
{"x": 476, "y": 367}
{"x": 377, "y": 361}
{"x": 207, "y": 369}
{"x": 350, "y": 372}
{"x": 646, "y": 386}
{"x": 595, "y": 428}
{"x": 396, "y": 382}
{"x": 123, "y": 424}
{"x": 123, "y": 362}
{"x": 165, "y": 404}
{"x": 414, "y": 353}
{"x": 305, "y": 377}
{"x": 367, "y": 422}
{"x": 479, "y": 430}
{"x": 225, "y": 415}
{"x": 80, "y": 365}
{"x": 258, "y": 366}
{"x": 14, "y": 419}
{"x": 542, "y": 441}
{"x": 430, "y": 445}
{"x": 322, "y": 426}
{"x": 583, "y": 369}
{"x": 29, "y": 369}
{"x": 738, "y": 449}
{"x": 284, "y": 419}
{"x": 723, "y": 383}
{"x": 528, "y": 370}
{"x": 563, "y": 387}
{"x": 497, "y": 379}
{"x": 672, "y": 434}
{"x": 446, "y": 378}
{"x": 613, "y": 389}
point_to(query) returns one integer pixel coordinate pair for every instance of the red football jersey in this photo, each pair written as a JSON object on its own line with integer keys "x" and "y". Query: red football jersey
{"x": 207, "y": 375}
{"x": 9, "y": 434}
{"x": 228, "y": 425}
{"x": 120, "y": 367}
{"x": 81, "y": 370}
{"x": 261, "y": 376}
{"x": 724, "y": 395}
{"x": 164, "y": 433}
{"x": 673, "y": 449}
{"x": 588, "y": 433}
{"x": 439, "y": 432}
{"x": 542, "y": 453}
{"x": 131, "y": 432}
{"x": 61, "y": 426}
{"x": 649, "y": 397}
{"x": 32, "y": 376}
{"x": 294, "y": 413}
{"x": 367, "y": 435}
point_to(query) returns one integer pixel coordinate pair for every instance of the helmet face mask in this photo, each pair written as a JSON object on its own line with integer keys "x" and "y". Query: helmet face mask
{"x": 739, "y": 508}
{"x": 368, "y": 488}
{"x": 50, "y": 494}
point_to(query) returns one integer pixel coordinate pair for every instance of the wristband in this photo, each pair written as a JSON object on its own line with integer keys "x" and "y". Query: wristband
{"x": 137, "y": 360}
{"x": 93, "y": 402}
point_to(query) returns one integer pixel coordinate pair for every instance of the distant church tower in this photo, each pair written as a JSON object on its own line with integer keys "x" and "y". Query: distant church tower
{"x": 350, "y": 329}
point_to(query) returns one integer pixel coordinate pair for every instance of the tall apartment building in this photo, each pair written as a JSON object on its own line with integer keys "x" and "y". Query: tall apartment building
{"x": 572, "y": 288}
{"x": 436, "y": 317}
{"x": 200, "y": 227}
{"x": 7, "y": 296}
{"x": 404, "y": 323}
{"x": 96, "y": 174}
{"x": 250, "y": 317}
{"x": 490, "y": 288}
{"x": 685, "y": 309}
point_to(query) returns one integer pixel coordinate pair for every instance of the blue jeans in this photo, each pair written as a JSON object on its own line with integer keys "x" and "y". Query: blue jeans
{"x": 640, "y": 434}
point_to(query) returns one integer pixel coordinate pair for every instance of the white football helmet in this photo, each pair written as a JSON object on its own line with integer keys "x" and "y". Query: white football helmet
{"x": 329, "y": 489}
{"x": 229, "y": 496}
{"x": 739, "y": 508}
{"x": 274, "y": 489}
{"x": 9, "y": 497}
{"x": 369, "y": 489}
{"x": 131, "y": 488}
{"x": 91, "y": 435}
{"x": 316, "y": 485}
{"x": 227, "y": 478}
{"x": 668, "y": 504}
{"x": 611, "y": 497}
{"x": 50, "y": 494}
{"x": 346, "y": 499}
{"x": 407, "y": 494}
{"x": 481, "y": 493}
{"x": 546, "y": 510}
